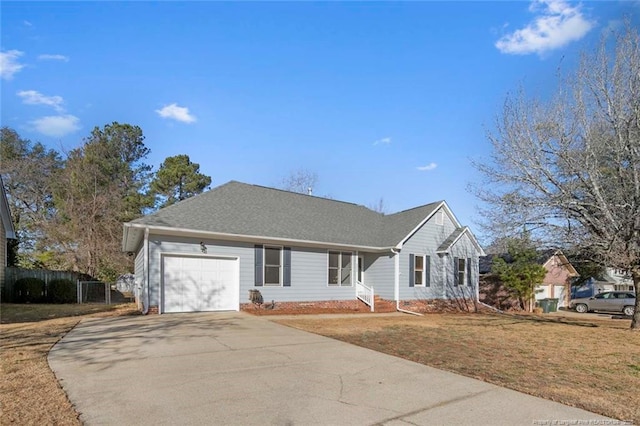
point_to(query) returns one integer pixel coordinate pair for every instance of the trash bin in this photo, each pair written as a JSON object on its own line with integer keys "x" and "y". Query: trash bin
{"x": 553, "y": 305}
{"x": 545, "y": 304}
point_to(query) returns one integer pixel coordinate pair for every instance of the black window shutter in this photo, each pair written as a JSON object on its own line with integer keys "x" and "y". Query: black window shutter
{"x": 427, "y": 271}
{"x": 412, "y": 270}
{"x": 469, "y": 281}
{"x": 258, "y": 266}
{"x": 455, "y": 271}
{"x": 286, "y": 273}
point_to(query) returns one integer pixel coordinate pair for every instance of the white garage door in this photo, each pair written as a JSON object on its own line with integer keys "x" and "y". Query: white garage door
{"x": 194, "y": 284}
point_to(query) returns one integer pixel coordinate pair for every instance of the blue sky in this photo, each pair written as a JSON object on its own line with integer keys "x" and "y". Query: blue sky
{"x": 381, "y": 99}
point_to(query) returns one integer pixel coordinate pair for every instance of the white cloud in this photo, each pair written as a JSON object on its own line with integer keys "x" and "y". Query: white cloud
{"x": 27, "y": 23}
{"x": 33, "y": 97}
{"x": 176, "y": 112}
{"x": 9, "y": 64}
{"x": 383, "y": 141}
{"x": 57, "y": 125}
{"x": 49, "y": 57}
{"x": 428, "y": 167}
{"x": 556, "y": 25}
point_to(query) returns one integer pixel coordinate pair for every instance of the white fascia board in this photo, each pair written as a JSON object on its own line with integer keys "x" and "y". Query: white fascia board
{"x": 422, "y": 222}
{"x": 550, "y": 258}
{"x": 5, "y": 213}
{"x": 471, "y": 237}
{"x": 447, "y": 210}
{"x": 132, "y": 237}
{"x": 452, "y": 216}
{"x": 565, "y": 263}
{"x": 125, "y": 236}
{"x": 169, "y": 231}
{"x": 475, "y": 242}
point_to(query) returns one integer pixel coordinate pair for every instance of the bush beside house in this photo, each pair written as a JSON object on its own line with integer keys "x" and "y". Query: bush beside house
{"x": 29, "y": 290}
{"x": 61, "y": 291}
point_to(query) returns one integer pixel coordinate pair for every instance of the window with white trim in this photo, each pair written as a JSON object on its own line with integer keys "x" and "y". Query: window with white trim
{"x": 462, "y": 271}
{"x": 272, "y": 266}
{"x": 340, "y": 268}
{"x": 418, "y": 271}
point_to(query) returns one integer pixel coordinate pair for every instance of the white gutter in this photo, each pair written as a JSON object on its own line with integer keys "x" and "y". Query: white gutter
{"x": 396, "y": 282}
{"x": 145, "y": 254}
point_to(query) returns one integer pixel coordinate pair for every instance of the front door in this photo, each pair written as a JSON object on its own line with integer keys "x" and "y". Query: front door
{"x": 360, "y": 269}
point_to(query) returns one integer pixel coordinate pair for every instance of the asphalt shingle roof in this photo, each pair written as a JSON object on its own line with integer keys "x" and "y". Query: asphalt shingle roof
{"x": 446, "y": 244}
{"x": 244, "y": 209}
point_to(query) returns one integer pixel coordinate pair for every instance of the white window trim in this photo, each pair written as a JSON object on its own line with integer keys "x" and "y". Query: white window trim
{"x": 440, "y": 217}
{"x": 353, "y": 270}
{"x": 424, "y": 269}
{"x": 462, "y": 282}
{"x": 264, "y": 266}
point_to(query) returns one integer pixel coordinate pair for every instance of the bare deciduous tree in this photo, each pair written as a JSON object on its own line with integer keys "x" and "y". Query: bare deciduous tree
{"x": 379, "y": 206}
{"x": 98, "y": 189}
{"x": 570, "y": 168}
{"x": 28, "y": 170}
{"x": 301, "y": 180}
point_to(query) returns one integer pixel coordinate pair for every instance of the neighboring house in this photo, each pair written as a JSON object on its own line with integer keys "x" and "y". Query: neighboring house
{"x": 213, "y": 251}
{"x": 556, "y": 283}
{"x": 619, "y": 278}
{"x": 611, "y": 280}
{"x": 6, "y": 230}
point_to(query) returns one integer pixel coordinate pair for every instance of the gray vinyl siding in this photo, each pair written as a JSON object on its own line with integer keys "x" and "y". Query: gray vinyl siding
{"x": 309, "y": 267}
{"x": 309, "y": 280}
{"x": 425, "y": 241}
{"x": 138, "y": 271}
{"x": 309, "y": 276}
{"x": 463, "y": 248}
{"x": 379, "y": 274}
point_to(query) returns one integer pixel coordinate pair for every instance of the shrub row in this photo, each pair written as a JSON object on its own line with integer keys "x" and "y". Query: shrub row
{"x": 33, "y": 290}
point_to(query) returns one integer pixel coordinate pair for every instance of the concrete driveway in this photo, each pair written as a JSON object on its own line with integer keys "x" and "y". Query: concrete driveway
{"x": 236, "y": 369}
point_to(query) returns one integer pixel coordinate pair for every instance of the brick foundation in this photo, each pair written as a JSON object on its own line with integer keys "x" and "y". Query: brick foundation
{"x": 305, "y": 307}
{"x": 351, "y": 306}
{"x": 438, "y": 306}
{"x": 356, "y": 306}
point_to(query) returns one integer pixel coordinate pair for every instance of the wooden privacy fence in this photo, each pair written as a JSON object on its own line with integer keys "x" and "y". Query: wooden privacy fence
{"x": 14, "y": 274}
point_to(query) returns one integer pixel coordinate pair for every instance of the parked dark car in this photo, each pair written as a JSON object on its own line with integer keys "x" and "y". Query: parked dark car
{"x": 608, "y": 301}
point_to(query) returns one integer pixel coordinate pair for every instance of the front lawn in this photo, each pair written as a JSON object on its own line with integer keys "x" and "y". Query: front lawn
{"x": 590, "y": 364}
{"x": 29, "y": 391}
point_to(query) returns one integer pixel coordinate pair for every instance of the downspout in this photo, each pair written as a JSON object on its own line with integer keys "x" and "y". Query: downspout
{"x": 493, "y": 308}
{"x": 396, "y": 282}
{"x": 145, "y": 250}
{"x": 477, "y": 281}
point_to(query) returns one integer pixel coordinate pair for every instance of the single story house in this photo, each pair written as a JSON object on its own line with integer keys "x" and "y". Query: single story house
{"x": 213, "y": 251}
{"x": 7, "y": 230}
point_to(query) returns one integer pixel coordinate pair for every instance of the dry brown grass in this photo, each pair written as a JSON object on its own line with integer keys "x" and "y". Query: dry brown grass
{"x": 591, "y": 364}
{"x": 29, "y": 391}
